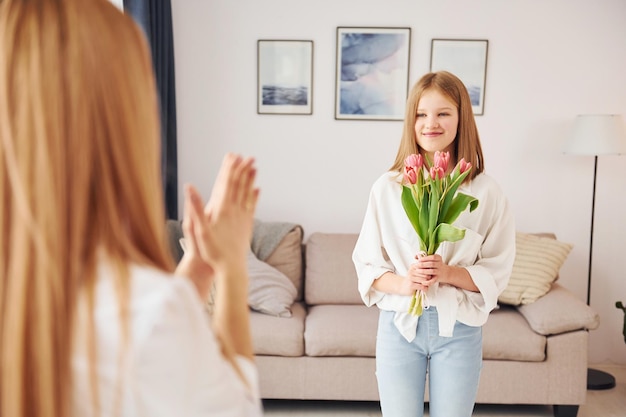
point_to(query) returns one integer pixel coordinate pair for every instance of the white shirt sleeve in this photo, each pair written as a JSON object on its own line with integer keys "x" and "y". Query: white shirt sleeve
{"x": 491, "y": 270}
{"x": 172, "y": 363}
{"x": 369, "y": 256}
{"x": 180, "y": 365}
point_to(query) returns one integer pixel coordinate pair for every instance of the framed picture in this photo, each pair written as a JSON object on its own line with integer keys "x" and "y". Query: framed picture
{"x": 285, "y": 77}
{"x": 467, "y": 59}
{"x": 372, "y": 74}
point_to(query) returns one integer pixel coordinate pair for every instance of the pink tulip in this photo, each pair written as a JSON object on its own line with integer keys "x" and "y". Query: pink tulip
{"x": 415, "y": 161}
{"x": 464, "y": 165}
{"x": 410, "y": 175}
{"x": 412, "y": 166}
{"x": 437, "y": 173}
{"x": 442, "y": 159}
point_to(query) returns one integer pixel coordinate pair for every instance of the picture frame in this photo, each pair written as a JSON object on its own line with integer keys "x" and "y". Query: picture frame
{"x": 467, "y": 59}
{"x": 372, "y": 73}
{"x": 284, "y": 76}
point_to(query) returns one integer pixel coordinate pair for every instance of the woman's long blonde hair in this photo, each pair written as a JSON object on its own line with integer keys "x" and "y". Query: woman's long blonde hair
{"x": 79, "y": 180}
{"x": 467, "y": 141}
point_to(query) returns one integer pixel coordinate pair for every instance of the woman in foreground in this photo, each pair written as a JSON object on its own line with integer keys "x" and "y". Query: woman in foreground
{"x": 93, "y": 319}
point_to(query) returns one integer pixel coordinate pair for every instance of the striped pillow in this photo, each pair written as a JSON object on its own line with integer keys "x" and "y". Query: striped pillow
{"x": 538, "y": 260}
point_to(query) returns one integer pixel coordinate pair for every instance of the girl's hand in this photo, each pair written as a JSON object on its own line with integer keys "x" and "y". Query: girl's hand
{"x": 428, "y": 270}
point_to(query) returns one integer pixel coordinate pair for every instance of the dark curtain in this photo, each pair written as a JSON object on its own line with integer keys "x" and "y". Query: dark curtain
{"x": 155, "y": 17}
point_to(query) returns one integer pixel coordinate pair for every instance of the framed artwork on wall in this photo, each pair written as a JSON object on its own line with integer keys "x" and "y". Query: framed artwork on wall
{"x": 372, "y": 73}
{"x": 284, "y": 76}
{"x": 467, "y": 59}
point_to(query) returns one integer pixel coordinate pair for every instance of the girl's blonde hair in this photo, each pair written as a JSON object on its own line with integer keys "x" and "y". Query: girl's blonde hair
{"x": 79, "y": 180}
{"x": 467, "y": 141}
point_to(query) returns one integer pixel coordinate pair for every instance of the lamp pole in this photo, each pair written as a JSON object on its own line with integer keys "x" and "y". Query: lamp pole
{"x": 596, "y": 134}
{"x": 593, "y": 210}
{"x": 596, "y": 379}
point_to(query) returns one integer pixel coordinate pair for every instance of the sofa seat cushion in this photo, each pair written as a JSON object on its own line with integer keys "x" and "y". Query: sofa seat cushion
{"x": 341, "y": 330}
{"x": 278, "y": 336}
{"x": 350, "y": 330}
{"x": 507, "y": 336}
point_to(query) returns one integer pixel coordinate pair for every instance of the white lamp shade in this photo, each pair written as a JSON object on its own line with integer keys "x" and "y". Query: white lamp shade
{"x": 597, "y": 134}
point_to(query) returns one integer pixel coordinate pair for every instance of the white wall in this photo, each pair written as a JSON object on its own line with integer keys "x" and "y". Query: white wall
{"x": 548, "y": 61}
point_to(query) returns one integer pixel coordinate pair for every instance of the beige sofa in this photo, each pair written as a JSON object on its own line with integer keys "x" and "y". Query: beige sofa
{"x": 533, "y": 354}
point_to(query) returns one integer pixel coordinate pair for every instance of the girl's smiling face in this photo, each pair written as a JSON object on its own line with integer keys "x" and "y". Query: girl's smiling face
{"x": 436, "y": 123}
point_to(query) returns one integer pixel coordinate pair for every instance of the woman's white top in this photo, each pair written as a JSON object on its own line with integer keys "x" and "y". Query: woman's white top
{"x": 173, "y": 365}
{"x": 388, "y": 243}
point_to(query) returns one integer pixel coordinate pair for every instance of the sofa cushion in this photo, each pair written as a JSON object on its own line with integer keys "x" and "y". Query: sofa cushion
{"x": 278, "y": 336}
{"x": 287, "y": 258}
{"x": 559, "y": 311}
{"x": 330, "y": 273}
{"x": 269, "y": 290}
{"x": 536, "y": 266}
{"x": 350, "y": 330}
{"x": 507, "y": 336}
{"x": 341, "y": 330}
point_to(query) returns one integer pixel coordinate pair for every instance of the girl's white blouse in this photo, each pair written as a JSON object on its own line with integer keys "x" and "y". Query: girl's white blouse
{"x": 388, "y": 243}
{"x": 173, "y": 365}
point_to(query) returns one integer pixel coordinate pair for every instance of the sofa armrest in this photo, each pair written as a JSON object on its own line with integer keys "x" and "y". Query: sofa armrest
{"x": 559, "y": 311}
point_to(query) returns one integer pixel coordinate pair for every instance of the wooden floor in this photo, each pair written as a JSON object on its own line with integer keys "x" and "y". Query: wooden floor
{"x": 602, "y": 403}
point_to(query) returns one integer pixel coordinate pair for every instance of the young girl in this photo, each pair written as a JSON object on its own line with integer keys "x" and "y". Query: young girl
{"x": 462, "y": 281}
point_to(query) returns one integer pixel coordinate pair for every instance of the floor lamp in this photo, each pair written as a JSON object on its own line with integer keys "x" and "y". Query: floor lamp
{"x": 596, "y": 134}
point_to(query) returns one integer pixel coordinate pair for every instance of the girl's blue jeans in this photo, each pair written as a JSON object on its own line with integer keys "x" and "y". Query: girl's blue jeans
{"x": 451, "y": 364}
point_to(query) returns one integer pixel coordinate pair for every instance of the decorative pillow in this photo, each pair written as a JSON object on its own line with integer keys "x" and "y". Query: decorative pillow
{"x": 538, "y": 260}
{"x": 287, "y": 258}
{"x": 270, "y": 291}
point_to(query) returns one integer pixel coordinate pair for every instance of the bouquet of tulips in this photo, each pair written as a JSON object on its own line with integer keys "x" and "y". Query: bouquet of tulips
{"x": 432, "y": 203}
